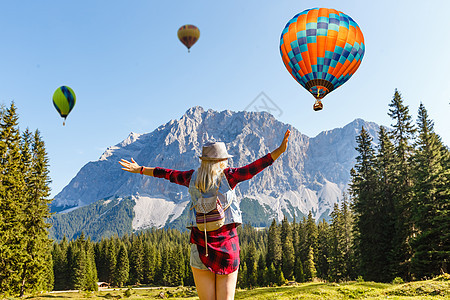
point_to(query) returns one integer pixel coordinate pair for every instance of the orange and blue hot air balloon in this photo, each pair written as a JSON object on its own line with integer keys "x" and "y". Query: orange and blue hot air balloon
{"x": 321, "y": 48}
{"x": 188, "y": 35}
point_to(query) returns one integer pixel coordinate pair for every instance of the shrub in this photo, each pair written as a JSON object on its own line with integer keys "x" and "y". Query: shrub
{"x": 127, "y": 293}
{"x": 443, "y": 277}
{"x": 397, "y": 280}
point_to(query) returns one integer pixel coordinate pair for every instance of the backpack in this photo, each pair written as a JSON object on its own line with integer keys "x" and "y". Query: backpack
{"x": 212, "y": 220}
{"x": 210, "y": 214}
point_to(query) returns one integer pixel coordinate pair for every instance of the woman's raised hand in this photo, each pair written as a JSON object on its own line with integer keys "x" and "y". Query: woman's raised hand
{"x": 283, "y": 145}
{"x": 132, "y": 166}
{"x": 277, "y": 152}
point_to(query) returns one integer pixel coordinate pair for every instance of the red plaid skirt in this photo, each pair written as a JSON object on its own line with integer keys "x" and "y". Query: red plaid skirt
{"x": 223, "y": 248}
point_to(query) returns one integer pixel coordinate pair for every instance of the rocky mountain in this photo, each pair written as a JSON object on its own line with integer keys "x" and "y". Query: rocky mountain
{"x": 310, "y": 176}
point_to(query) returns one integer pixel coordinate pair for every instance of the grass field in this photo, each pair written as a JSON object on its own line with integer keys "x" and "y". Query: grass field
{"x": 438, "y": 288}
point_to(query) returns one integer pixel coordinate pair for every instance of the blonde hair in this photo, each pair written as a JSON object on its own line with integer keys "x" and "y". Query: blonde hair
{"x": 209, "y": 174}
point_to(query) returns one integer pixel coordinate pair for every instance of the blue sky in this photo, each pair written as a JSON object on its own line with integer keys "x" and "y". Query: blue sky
{"x": 131, "y": 74}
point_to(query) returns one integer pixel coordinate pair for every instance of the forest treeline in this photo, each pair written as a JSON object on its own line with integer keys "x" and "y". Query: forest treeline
{"x": 392, "y": 223}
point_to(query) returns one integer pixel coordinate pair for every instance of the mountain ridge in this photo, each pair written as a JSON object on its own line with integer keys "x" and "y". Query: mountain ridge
{"x": 311, "y": 175}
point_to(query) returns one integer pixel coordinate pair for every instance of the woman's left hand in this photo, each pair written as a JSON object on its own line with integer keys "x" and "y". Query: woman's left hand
{"x": 283, "y": 145}
{"x": 277, "y": 152}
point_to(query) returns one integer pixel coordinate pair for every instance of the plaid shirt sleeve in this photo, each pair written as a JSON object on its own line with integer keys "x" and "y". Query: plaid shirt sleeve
{"x": 236, "y": 175}
{"x": 175, "y": 176}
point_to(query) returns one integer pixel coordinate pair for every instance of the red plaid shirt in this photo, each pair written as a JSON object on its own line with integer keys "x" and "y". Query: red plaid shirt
{"x": 223, "y": 244}
{"x": 234, "y": 175}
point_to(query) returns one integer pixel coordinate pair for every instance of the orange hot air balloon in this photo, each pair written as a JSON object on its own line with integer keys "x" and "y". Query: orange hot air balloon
{"x": 188, "y": 35}
{"x": 321, "y": 48}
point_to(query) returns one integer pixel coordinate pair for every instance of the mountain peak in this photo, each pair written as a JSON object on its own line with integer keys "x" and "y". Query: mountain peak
{"x": 195, "y": 111}
{"x": 132, "y": 137}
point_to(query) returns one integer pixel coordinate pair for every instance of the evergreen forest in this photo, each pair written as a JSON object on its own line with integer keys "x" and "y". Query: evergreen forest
{"x": 392, "y": 224}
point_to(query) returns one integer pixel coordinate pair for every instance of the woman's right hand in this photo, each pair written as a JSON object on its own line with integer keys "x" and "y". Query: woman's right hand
{"x": 131, "y": 167}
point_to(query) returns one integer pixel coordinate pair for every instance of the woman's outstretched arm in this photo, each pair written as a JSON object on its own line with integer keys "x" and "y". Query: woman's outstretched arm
{"x": 175, "y": 176}
{"x": 277, "y": 152}
{"x": 133, "y": 167}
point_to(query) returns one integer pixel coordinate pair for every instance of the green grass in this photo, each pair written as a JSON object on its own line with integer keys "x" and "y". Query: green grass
{"x": 438, "y": 288}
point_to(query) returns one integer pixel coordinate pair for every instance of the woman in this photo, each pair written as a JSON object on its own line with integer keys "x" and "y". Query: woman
{"x": 214, "y": 254}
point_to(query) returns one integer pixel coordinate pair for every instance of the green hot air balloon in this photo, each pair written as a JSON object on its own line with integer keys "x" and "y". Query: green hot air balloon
{"x": 64, "y": 100}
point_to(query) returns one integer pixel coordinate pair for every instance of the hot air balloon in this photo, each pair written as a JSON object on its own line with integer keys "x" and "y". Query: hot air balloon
{"x": 321, "y": 48}
{"x": 188, "y": 35}
{"x": 64, "y": 100}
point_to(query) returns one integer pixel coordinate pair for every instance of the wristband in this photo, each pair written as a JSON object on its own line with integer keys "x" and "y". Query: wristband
{"x": 142, "y": 170}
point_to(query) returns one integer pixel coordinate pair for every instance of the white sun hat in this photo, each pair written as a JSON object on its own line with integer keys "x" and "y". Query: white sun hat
{"x": 214, "y": 151}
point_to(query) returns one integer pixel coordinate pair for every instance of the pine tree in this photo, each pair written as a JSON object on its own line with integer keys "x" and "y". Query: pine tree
{"x": 122, "y": 267}
{"x": 188, "y": 277}
{"x": 323, "y": 249}
{"x": 271, "y": 275}
{"x": 242, "y": 276}
{"x": 384, "y": 228}
{"x": 430, "y": 203}
{"x": 299, "y": 240}
{"x": 100, "y": 259}
{"x": 77, "y": 266}
{"x": 265, "y": 274}
{"x": 149, "y": 263}
{"x": 402, "y": 136}
{"x": 166, "y": 270}
{"x": 36, "y": 213}
{"x": 111, "y": 259}
{"x": 336, "y": 254}
{"x": 173, "y": 273}
{"x": 91, "y": 270}
{"x": 12, "y": 191}
{"x": 180, "y": 265}
{"x": 136, "y": 261}
{"x": 49, "y": 277}
{"x": 25, "y": 168}
{"x": 262, "y": 271}
{"x": 442, "y": 221}
{"x": 60, "y": 268}
{"x": 341, "y": 243}
{"x": 251, "y": 263}
{"x": 287, "y": 247}
{"x": 274, "y": 254}
{"x": 61, "y": 265}
{"x": 279, "y": 277}
{"x": 363, "y": 192}
{"x": 310, "y": 268}
{"x": 348, "y": 239}
{"x": 159, "y": 267}
{"x": 81, "y": 265}
{"x": 299, "y": 274}
{"x": 310, "y": 244}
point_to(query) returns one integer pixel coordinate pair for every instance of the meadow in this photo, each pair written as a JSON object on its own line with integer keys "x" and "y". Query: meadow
{"x": 437, "y": 288}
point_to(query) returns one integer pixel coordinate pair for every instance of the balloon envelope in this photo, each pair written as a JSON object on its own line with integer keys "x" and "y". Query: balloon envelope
{"x": 322, "y": 48}
{"x": 64, "y": 100}
{"x": 188, "y": 35}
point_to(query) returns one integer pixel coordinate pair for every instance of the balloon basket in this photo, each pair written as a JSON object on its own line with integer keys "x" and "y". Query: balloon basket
{"x": 318, "y": 105}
